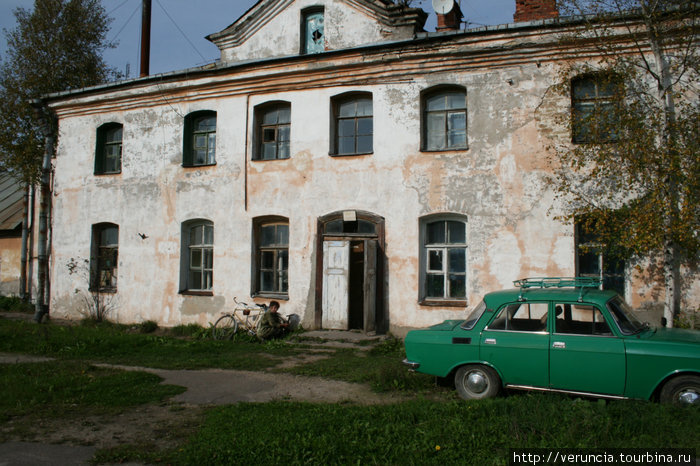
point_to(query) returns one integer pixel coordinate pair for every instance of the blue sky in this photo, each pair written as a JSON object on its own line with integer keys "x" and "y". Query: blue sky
{"x": 179, "y": 27}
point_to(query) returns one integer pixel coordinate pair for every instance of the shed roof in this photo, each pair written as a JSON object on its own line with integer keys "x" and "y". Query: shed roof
{"x": 11, "y": 203}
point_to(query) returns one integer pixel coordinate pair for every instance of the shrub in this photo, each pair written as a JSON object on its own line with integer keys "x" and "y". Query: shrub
{"x": 15, "y": 304}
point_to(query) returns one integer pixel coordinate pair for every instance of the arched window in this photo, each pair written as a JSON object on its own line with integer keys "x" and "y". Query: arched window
{"x": 352, "y": 124}
{"x": 444, "y": 118}
{"x": 272, "y": 131}
{"x": 197, "y": 258}
{"x": 108, "y": 153}
{"x": 200, "y": 139}
{"x": 444, "y": 258}
{"x": 271, "y": 246}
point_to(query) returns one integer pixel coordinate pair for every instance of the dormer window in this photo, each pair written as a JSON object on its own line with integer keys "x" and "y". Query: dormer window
{"x": 313, "y": 39}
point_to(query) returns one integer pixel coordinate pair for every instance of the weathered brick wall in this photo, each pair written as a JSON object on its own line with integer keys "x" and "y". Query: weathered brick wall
{"x": 531, "y": 10}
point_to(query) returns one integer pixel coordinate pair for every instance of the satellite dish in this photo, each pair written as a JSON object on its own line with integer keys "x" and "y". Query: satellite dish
{"x": 442, "y": 7}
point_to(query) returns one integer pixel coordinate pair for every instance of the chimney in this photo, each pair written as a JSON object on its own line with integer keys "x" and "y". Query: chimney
{"x": 451, "y": 20}
{"x": 145, "y": 37}
{"x": 532, "y": 10}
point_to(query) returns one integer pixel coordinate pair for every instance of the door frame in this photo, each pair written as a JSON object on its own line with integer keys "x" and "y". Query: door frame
{"x": 378, "y": 221}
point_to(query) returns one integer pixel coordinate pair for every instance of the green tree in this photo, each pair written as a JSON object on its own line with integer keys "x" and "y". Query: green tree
{"x": 632, "y": 172}
{"x": 55, "y": 47}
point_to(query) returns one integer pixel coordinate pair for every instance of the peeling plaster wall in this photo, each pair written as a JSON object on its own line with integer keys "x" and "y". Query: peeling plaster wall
{"x": 499, "y": 183}
{"x": 346, "y": 25}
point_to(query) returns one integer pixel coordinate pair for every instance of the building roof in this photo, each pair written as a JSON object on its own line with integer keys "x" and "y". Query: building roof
{"x": 11, "y": 203}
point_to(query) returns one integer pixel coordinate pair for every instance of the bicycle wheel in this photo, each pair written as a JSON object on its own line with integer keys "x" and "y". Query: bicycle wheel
{"x": 225, "y": 328}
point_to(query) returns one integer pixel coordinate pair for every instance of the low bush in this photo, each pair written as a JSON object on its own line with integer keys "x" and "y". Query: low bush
{"x": 15, "y": 304}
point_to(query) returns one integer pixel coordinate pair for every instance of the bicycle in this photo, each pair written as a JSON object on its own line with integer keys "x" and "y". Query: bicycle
{"x": 244, "y": 315}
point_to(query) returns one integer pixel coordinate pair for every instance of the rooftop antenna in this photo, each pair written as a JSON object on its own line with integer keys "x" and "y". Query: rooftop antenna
{"x": 145, "y": 37}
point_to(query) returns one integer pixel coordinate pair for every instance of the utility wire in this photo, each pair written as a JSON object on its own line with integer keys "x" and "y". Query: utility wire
{"x": 126, "y": 23}
{"x": 181, "y": 32}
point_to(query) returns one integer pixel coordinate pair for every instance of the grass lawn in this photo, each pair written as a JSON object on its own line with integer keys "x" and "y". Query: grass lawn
{"x": 420, "y": 431}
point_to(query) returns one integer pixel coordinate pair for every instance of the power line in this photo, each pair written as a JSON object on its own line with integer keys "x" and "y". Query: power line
{"x": 181, "y": 31}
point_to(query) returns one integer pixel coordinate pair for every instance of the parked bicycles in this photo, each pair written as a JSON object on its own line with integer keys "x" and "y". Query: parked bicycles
{"x": 244, "y": 316}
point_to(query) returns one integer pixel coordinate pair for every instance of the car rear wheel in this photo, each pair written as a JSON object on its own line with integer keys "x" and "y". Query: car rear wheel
{"x": 475, "y": 382}
{"x": 682, "y": 390}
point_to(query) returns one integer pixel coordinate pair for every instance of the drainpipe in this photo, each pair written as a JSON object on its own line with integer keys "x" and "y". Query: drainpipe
{"x": 23, "y": 251}
{"x": 44, "y": 116}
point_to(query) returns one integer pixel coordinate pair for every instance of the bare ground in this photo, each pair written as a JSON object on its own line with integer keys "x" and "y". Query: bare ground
{"x": 169, "y": 424}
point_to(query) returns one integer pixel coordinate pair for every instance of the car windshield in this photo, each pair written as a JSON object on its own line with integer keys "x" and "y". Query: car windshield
{"x": 474, "y": 316}
{"x": 626, "y": 320}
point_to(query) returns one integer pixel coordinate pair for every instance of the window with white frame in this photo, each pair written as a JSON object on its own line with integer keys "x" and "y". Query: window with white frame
{"x": 197, "y": 256}
{"x": 444, "y": 259}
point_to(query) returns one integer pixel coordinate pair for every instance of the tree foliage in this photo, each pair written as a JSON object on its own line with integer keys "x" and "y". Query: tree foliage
{"x": 55, "y": 47}
{"x": 635, "y": 178}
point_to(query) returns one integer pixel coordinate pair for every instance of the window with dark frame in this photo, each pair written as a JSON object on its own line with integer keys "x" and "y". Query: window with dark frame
{"x": 104, "y": 263}
{"x": 593, "y": 102}
{"x": 200, "y": 139}
{"x": 200, "y": 249}
{"x": 272, "y": 258}
{"x": 273, "y": 131}
{"x": 445, "y": 119}
{"x": 313, "y": 39}
{"x": 108, "y": 155}
{"x": 445, "y": 260}
{"x": 353, "y": 124}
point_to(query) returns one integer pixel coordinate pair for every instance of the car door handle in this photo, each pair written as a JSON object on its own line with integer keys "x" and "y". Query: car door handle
{"x": 558, "y": 344}
{"x": 490, "y": 341}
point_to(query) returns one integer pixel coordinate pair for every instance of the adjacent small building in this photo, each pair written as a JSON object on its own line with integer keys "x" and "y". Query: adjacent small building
{"x": 11, "y": 214}
{"x": 339, "y": 159}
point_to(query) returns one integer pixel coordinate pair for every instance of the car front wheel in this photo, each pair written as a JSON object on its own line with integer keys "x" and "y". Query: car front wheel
{"x": 475, "y": 382}
{"x": 684, "y": 389}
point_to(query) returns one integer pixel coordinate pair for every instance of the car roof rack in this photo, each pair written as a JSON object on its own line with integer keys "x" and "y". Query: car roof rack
{"x": 557, "y": 282}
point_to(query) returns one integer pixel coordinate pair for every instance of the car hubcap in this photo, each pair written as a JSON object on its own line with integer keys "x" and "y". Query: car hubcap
{"x": 689, "y": 396}
{"x": 476, "y": 382}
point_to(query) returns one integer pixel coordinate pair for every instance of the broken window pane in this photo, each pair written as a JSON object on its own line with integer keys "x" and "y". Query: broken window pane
{"x": 435, "y": 260}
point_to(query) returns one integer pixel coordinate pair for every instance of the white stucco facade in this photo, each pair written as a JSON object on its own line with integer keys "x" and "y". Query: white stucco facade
{"x": 496, "y": 185}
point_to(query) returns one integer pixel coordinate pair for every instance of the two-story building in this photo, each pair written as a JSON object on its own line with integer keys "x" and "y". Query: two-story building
{"x": 339, "y": 159}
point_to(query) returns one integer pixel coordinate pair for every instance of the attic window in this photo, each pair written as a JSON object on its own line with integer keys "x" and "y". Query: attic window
{"x": 312, "y": 36}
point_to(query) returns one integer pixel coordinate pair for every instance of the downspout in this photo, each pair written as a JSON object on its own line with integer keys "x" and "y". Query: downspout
{"x": 245, "y": 154}
{"x": 23, "y": 251}
{"x": 30, "y": 266}
{"x": 44, "y": 116}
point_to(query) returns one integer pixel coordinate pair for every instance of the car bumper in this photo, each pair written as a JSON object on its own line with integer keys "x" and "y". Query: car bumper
{"x": 412, "y": 365}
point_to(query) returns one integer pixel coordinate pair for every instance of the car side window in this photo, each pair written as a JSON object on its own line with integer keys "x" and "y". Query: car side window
{"x": 580, "y": 319}
{"x": 521, "y": 317}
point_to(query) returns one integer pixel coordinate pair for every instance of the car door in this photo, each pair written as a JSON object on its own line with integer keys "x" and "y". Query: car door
{"x": 516, "y": 343}
{"x": 585, "y": 355}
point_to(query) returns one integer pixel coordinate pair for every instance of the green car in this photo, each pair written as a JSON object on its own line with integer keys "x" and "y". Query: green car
{"x": 563, "y": 335}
